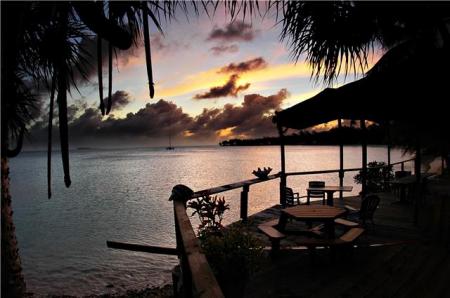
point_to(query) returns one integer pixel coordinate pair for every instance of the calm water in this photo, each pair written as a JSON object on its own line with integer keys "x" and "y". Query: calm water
{"x": 123, "y": 195}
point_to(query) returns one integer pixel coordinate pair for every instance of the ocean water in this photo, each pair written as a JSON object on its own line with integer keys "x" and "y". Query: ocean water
{"x": 122, "y": 195}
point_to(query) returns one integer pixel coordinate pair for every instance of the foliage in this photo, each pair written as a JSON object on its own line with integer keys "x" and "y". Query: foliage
{"x": 377, "y": 174}
{"x": 210, "y": 211}
{"x": 233, "y": 253}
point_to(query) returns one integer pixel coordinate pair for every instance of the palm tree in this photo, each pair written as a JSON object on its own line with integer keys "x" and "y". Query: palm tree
{"x": 41, "y": 49}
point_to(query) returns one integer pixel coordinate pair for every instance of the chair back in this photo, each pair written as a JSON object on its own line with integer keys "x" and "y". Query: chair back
{"x": 316, "y": 193}
{"x": 368, "y": 207}
{"x": 289, "y": 195}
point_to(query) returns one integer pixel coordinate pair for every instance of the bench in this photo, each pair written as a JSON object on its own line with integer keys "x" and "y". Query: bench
{"x": 346, "y": 223}
{"x": 274, "y": 235}
{"x": 271, "y": 223}
{"x": 346, "y": 239}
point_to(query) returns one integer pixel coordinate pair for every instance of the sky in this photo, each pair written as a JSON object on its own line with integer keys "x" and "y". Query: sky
{"x": 214, "y": 80}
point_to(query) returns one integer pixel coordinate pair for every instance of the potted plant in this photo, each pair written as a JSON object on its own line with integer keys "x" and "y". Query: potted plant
{"x": 377, "y": 175}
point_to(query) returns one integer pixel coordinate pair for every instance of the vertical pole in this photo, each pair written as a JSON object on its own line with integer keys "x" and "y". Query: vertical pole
{"x": 364, "y": 158}
{"x": 402, "y": 166}
{"x": 244, "y": 203}
{"x": 283, "y": 168}
{"x": 417, "y": 172}
{"x": 388, "y": 132}
{"x": 341, "y": 157}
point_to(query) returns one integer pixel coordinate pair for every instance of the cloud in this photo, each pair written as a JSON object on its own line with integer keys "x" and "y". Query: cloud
{"x": 235, "y": 31}
{"x": 120, "y": 99}
{"x": 251, "y": 119}
{"x": 197, "y": 82}
{"x": 222, "y": 49}
{"x": 229, "y": 89}
{"x": 249, "y": 65}
{"x": 158, "y": 120}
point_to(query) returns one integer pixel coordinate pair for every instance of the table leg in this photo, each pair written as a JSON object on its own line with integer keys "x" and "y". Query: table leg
{"x": 329, "y": 228}
{"x": 403, "y": 193}
{"x": 330, "y": 198}
{"x": 282, "y": 222}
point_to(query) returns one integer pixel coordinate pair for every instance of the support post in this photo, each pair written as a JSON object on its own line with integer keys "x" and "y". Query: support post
{"x": 244, "y": 203}
{"x": 418, "y": 188}
{"x": 283, "y": 168}
{"x": 364, "y": 158}
{"x": 442, "y": 164}
{"x": 341, "y": 158}
{"x": 388, "y": 132}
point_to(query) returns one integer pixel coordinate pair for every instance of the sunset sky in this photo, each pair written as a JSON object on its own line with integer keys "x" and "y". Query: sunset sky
{"x": 214, "y": 80}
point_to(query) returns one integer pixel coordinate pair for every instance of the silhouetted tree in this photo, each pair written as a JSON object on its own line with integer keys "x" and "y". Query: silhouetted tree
{"x": 42, "y": 50}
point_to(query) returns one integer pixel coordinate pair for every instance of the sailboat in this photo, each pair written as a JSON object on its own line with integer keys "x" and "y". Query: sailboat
{"x": 170, "y": 145}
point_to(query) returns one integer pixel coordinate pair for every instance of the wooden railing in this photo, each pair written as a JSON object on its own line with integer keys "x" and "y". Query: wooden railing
{"x": 197, "y": 278}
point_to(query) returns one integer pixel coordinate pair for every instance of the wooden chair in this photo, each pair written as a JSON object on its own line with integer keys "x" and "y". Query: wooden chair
{"x": 369, "y": 205}
{"x": 291, "y": 197}
{"x": 314, "y": 193}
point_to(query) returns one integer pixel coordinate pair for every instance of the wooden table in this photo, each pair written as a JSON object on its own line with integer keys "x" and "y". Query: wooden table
{"x": 407, "y": 182}
{"x": 322, "y": 213}
{"x": 330, "y": 190}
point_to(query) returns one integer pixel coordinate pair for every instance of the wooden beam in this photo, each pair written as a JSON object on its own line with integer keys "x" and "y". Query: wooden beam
{"x": 227, "y": 187}
{"x": 364, "y": 158}
{"x": 341, "y": 158}
{"x": 203, "y": 280}
{"x": 244, "y": 202}
{"x": 283, "y": 167}
{"x": 417, "y": 172}
{"x": 142, "y": 248}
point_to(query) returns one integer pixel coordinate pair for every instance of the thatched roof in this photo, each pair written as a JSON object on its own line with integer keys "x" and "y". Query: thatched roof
{"x": 409, "y": 83}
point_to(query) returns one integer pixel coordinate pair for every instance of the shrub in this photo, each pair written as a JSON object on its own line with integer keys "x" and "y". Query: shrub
{"x": 233, "y": 253}
{"x": 377, "y": 174}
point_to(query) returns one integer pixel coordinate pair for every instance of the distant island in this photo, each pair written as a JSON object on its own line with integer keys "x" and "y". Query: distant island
{"x": 376, "y": 135}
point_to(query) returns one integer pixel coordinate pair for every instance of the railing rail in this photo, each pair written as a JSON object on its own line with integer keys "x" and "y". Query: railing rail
{"x": 227, "y": 187}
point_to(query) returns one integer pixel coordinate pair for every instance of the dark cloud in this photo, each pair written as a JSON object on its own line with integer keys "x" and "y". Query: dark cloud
{"x": 249, "y": 65}
{"x": 229, "y": 89}
{"x": 156, "y": 121}
{"x": 222, "y": 49}
{"x": 253, "y": 118}
{"x": 235, "y": 31}
{"x": 119, "y": 99}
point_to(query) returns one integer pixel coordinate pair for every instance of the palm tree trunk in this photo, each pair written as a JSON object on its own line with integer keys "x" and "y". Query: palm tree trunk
{"x": 13, "y": 283}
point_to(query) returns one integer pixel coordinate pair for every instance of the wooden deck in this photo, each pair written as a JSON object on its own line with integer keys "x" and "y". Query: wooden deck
{"x": 393, "y": 259}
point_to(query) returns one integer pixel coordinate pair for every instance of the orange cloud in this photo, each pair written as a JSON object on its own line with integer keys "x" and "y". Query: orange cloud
{"x": 210, "y": 78}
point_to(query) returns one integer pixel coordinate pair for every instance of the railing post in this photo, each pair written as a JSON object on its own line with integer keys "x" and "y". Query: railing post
{"x": 364, "y": 159}
{"x": 283, "y": 190}
{"x": 341, "y": 182}
{"x": 183, "y": 193}
{"x": 402, "y": 166}
{"x": 417, "y": 172}
{"x": 244, "y": 202}
{"x": 341, "y": 158}
{"x": 283, "y": 167}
